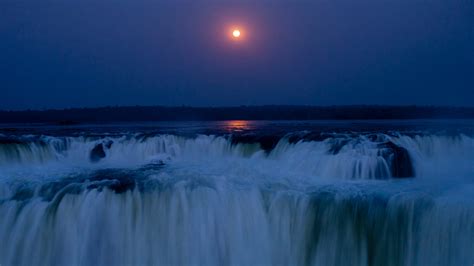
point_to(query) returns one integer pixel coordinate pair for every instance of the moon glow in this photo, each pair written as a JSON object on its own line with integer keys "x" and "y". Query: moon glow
{"x": 236, "y": 33}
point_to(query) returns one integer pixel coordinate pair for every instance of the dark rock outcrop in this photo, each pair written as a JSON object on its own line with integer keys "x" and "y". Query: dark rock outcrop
{"x": 108, "y": 144}
{"x": 337, "y": 145}
{"x": 97, "y": 153}
{"x": 401, "y": 165}
{"x": 116, "y": 180}
{"x": 8, "y": 141}
{"x": 266, "y": 142}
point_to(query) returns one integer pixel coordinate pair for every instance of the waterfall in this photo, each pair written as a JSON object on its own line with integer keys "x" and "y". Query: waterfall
{"x": 359, "y": 199}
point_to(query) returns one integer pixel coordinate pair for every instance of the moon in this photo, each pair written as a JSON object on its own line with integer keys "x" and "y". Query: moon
{"x": 236, "y": 33}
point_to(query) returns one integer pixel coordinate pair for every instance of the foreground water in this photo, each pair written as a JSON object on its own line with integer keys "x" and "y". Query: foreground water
{"x": 238, "y": 193}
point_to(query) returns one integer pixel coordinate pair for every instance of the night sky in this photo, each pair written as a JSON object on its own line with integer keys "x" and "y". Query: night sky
{"x": 64, "y": 53}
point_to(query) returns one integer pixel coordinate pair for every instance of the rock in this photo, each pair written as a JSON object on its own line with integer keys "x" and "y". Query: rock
{"x": 108, "y": 144}
{"x": 337, "y": 145}
{"x": 7, "y": 141}
{"x": 97, "y": 153}
{"x": 116, "y": 180}
{"x": 399, "y": 159}
{"x": 266, "y": 142}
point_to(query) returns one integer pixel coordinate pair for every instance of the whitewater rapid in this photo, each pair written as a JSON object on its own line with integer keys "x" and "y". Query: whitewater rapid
{"x": 346, "y": 156}
{"x": 164, "y": 199}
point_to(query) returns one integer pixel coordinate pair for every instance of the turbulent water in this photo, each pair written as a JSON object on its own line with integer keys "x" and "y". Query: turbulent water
{"x": 238, "y": 193}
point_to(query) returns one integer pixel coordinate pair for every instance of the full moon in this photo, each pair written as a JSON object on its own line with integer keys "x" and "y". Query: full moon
{"x": 236, "y": 33}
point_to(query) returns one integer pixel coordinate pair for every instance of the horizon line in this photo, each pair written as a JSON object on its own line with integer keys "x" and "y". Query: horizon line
{"x": 238, "y": 106}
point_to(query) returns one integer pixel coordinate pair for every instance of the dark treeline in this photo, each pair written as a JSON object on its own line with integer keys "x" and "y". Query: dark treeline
{"x": 273, "y": 112}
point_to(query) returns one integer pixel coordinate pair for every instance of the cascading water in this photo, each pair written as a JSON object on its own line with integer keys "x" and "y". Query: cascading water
{"x": 164, "y": 199}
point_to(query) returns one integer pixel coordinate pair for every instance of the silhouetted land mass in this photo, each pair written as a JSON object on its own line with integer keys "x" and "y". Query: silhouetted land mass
{"x": 270, "y": 112}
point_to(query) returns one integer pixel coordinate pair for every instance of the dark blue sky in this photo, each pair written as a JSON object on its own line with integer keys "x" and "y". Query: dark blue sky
{"x": 62, "y": 53}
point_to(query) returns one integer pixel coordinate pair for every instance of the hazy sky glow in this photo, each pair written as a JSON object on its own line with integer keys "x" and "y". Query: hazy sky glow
{"x": 59, "y": 53}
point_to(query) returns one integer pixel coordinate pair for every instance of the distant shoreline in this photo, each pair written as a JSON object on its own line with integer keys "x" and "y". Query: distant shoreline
{"x": 75, "y": 116}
